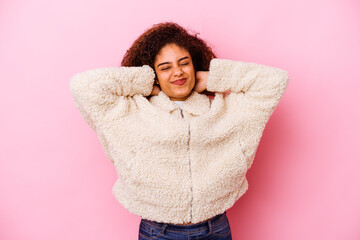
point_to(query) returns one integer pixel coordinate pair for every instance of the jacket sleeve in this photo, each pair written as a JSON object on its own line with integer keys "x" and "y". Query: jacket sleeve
{"x": 255, "y": 92}
{"x": 100, "y": 91}
{"x": 104, "y": 94}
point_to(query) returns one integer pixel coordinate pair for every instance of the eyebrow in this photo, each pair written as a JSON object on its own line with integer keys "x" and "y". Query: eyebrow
{"x": 169, "y": 62}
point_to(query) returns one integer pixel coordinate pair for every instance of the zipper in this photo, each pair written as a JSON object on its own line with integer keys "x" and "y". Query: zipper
{"x": 191, "y": 188}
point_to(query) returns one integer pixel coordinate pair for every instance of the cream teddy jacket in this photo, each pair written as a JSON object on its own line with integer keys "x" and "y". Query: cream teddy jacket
{"x": 172, "y": 167}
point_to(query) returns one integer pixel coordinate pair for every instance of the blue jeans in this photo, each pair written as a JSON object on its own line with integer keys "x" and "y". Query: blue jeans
{"x": 215, "y": 228}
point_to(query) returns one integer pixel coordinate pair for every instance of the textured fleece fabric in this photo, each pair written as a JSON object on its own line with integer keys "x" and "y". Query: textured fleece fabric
{"x": 172, "y": 167}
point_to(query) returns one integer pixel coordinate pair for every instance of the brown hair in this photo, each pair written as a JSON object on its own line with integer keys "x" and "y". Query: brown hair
{"x": 145, "y": 48}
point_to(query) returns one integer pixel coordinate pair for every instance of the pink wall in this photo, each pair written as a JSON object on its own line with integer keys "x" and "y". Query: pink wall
{"x": 55, "y": 182}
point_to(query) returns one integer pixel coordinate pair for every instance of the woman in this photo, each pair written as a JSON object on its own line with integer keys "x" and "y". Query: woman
{"x": 181, "y": 156}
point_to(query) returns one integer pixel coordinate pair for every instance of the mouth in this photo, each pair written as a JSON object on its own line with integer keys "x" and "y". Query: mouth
{"x": 179, "y": 81}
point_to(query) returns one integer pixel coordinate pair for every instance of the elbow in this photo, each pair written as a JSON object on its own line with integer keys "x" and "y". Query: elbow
{"x": 283, "y": 80}
{"x": 75, "y": 84}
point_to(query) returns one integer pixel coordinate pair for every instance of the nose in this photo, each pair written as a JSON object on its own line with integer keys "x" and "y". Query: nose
{"x": 178, "y": 71}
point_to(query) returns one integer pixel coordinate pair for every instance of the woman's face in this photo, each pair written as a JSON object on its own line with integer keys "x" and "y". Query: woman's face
{"x": 175, "y": 72}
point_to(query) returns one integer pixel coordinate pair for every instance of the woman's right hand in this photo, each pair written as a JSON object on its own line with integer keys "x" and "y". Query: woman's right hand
{"x": 155, "y": 90}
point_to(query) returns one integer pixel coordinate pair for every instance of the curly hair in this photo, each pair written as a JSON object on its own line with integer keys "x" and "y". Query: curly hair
{"x": 145, "y": 48}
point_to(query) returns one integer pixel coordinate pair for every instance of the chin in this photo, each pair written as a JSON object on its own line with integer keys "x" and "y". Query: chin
{"x": 182, "y": 94}
{"x": 177, "y": 97}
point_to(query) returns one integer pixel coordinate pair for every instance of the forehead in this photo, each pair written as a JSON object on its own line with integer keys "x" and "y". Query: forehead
{"x": 171, "y": 52}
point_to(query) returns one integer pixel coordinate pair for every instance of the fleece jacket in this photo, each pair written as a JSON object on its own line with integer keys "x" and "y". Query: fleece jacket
{"x": 172, "y": 166}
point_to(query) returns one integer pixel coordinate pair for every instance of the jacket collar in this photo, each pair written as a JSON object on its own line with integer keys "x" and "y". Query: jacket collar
{"x": 196, "y": 104}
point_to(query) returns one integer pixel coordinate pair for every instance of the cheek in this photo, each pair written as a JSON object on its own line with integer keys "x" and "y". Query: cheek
{"x": 191, "y": 70}
{"x": 162, "y": 77}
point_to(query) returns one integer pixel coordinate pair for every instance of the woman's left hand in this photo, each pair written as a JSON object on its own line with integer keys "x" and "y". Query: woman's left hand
{"x": 200, "y": 81}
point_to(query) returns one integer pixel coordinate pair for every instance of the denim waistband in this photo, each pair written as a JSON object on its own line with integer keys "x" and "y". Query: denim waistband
{"x": 191, "y": 226}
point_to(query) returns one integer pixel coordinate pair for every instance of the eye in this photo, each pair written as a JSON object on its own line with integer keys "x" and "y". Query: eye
{"x": 165, "y": 69}
{"x": 184, "y": 63}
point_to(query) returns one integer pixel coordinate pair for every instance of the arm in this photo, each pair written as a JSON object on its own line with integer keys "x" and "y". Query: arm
{"x": 255, "y": 92}
{"x": 260, "y": 83}
{"x": 106, "y": 93}
{"x": 97, "y": 92}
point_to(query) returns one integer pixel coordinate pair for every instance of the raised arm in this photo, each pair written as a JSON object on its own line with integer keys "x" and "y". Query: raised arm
{"x": 255, "y": 92}
{"x": 258, "y": 82}
{"x": 97, "y": 92}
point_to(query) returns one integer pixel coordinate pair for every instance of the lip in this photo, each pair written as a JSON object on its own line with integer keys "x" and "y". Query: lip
{"x": 179, "y": 81}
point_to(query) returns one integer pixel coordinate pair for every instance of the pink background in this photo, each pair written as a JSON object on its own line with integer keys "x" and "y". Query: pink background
{"x": 55, "y": 182}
